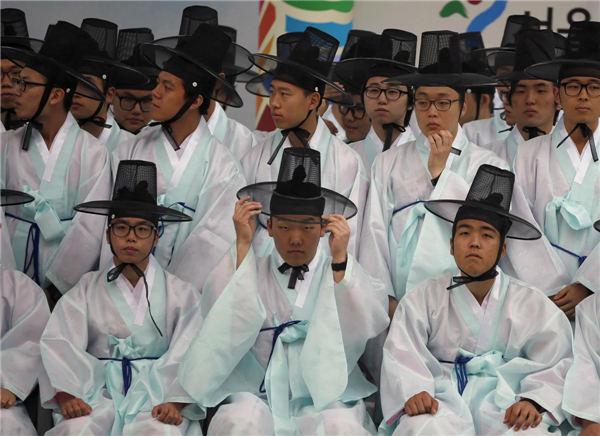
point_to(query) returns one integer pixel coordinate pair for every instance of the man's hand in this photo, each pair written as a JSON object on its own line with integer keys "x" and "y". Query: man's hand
{"x": 168, "y": 413}
{"x": 522, "y": 414}
{"x": 243, "y": 221}
{"x": 332, "y": 129}
{"x": 339, "y": 237}
{"x": 420, "y": 404}
{"x": 441, "y": 144}
{"x": 590, "y": 428}
{"x": 7, "y": 398}
{"x": 72, "y": 407}
{"x": 568, "y": 298}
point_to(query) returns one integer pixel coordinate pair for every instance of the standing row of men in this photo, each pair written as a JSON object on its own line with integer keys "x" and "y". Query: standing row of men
{"x": 159, "y": 314}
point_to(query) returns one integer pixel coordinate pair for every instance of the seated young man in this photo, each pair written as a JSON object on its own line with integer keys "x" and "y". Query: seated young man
{"x": 300, "y": 375}
{"x": 476, "y": 351}
{"x": 109, "y": 338}
{"x": 24, "y": 314}
{"x": 296, "y": 92}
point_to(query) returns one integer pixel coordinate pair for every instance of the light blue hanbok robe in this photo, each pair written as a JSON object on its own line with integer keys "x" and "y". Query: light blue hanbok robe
{"x": 229, "y": 132}
{"x": 482, "y": 132}
{"x": 329, "y": 116}
{"x": 7, "y": 257}
{"x": 519, "y": 346}
{"x": 114, "y": 136}
{"x": 370, "y": 147}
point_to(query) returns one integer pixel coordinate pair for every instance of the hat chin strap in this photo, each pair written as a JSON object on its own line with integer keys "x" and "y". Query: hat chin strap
{"x": 533, "y": 132}
{"x": 587, "y": 133}
{"x": 488, "y": 275}
{"x": 31, "y": 123}
{"x": 389, "y": 132}
{"x": 94, "y": 119}
{"x": 301, "y": 134}
{"x": 167, "y": 129}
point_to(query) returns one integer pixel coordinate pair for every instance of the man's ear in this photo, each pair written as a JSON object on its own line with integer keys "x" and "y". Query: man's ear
{"x": 323, "y": 229}
{"x": 484, "y": 101}
{"x": 110, "y": 95}
{"x": 107, "y": 237}
{"x": 503, "y": 250}
{"x": 155, "y": 243}
{"x": 452, "y": 246}
{"x": 197, "y": 103}
{"x": 270, "y": 227}
{"x": 556, "y": 91}
{"x": 463, "y": 112}
{"x": 56, "y": 96}
{"x": 315, "y": 98}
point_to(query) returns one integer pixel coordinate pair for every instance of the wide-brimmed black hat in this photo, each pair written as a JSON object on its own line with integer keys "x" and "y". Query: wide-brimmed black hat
{"x": 193, "y": 58}
{"x": 9, "y": 197}
{"x": 395, "y": 53}
{"x": 582, "y": 54}
{"x": 490, "y": 192}
{"x": 440, "y": 64}
{"x": 597, "y": 225}
{"x": 14, "y": 31}
{"x": 134, "y": 195}
{"x": 193, "y": 16}
{"x": 308, "y": 64}
{"x": 129, "y": 53}
{"x": 298, "y": 190}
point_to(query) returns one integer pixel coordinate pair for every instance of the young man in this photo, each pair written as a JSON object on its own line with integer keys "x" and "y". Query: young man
{"x": 399, "y": 240}
{"x": 560, "y": 173}
{"x": 482, "y": 132}
{"x": 388, "y": 106}
{"x": 24, "y": 316}
{"x": 119, "y": 326}
{"x": 300, "y": 376}
{"x": 197, "y": 173}
{"x": 296, "y": 92}
{"x": 52, "y": 159}
{"x": 531, "y": 99}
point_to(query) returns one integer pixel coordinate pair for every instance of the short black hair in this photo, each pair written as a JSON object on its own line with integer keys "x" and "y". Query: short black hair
{"x": 205, "y": 88}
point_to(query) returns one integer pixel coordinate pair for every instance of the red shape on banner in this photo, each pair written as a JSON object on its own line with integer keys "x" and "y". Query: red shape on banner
{"x": 266, "y": 23}
{"x": 266, "y": 123}
{"x": 475, "y": 2}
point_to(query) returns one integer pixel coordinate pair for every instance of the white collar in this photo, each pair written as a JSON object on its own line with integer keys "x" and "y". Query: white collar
{"x": 105, "y": 134}
{"x": 581, "y": 161}
{"x": 50, "y": 156}
{"x": 214, "y": 118}
{"x": 302, "y": 286}
{"x": 378, "y": 143}
{"x": 315, "y": 138}
{"x": 517, "y": 136}
{"x": 329, "y": 116}
{"x": 179, "y": 159}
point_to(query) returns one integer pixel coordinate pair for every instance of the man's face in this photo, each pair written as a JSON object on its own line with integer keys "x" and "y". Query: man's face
{"x": 168, "y": 97}
{"x": 356, "y": 129}
{"x": 581, "y": 108}
{"x": 290, "y": 104}
{"x": 131, "y": 248}
{"x": 471, "y": 112}
{"x": 533, "y": 103}
{"x": 296, "y": 243}
{"x": 509, "y": 115}
{"x": 434, "y": 120}
{"x": 85, "y": 102}
{"x": 383, "y": 110}
{"x": 26, "y": 103}
{"x": 9, "y": 71}
{"x": 134, "y": 119}
{"x": 475, "y": 246}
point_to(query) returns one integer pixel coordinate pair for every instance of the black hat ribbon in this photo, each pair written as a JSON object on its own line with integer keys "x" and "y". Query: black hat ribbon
{"x": 296, "y": 274}
{"x": 389, "y": 131}
{"x": 587, "y": 133}
{"x": 301, "y": 134}
{"x": 31, "y": 123}
{"x": 533, "y": 132}
{"x": 167, "y": 129}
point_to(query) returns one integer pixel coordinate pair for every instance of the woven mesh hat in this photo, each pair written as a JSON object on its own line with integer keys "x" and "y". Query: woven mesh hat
{"x": 104, "y": 33}
{"x": 582, "y": 55}
{"x": 236, "y": 60}
{"x": 193, "y": 16}
{"x": 9, "y": 197}
{"x": 134, "y": 195}
{"x": 298, "y": 190}
{"x": 490, "y": 193}
{"x": 14, "y": 31}
{"x": 129, "y": 53}
{"x": 308, "y": 64}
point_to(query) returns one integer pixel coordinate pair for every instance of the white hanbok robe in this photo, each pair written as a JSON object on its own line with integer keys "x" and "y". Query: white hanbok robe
{"x": 201, "y": 183}
{"x": 392, "y": 246}
{"x": 96, "y": 321}
{"x": 312, "y": 381}
{"x": 588, "y": 273}
{"x": 342, "y": 171}
{"x": 329, "y": 116}
{"x": 520, "y": 345}
{"x": 562, "y": 188}
{"x": 7, "y": 257}
{"x": 582, "y": 385}
{"x": 24, "y": 315}
{"x": 232, "y": 134}
{"x": 482, "y": 132}
{"x": 61, "y": 245}
{"x": 506, "y": 148}
{"x": 114, "y": 136}
{"x": 370, "y": 147}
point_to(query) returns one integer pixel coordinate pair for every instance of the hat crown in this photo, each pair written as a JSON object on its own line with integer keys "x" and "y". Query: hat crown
{"x": 129, "y": 41}
{"x": 515, "y": 24}
{"x": 560, "y": 45}
{"x": 67, "y": 44}
{"x": 193, "y": 16}
{"x": 473, "y": 55}
{"x": 229, "y": 31}
{"x": 209, "y": 45}
{"x": 13, "y": 23}
{"x": 440, "y": 53}
{"x": 532, "y": 47}
{"x": 397, "y": 45}
{"x": 583, "y": 41}
{"x": 299, "y": 173}
{"x": 492, "y": 186}
{"x": 316, "y": 50}
{"x": 360, "y": 43}
{"x": 286, "y": 43}
{"x": 470, "y": 41}
{"x": 104, "y": 33}
{"x": 135, "y": 181}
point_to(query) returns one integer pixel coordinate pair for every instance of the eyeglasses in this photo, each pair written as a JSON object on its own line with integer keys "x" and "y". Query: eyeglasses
{"x": 121, "y": 230}
{"x": 442, "y": 104}
{"x": 504, "y": 96}
{"x": 358, "y": 112}
{"x": 12, "y": 75}
{"x": 128, "y": 103}
{"x": 573, "y": 89}
{"x": 22, "y": 84}
{"x": 390, "y": 93}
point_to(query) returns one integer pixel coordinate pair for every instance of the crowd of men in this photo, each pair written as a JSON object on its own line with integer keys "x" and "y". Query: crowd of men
{"x": 414, "y": 250}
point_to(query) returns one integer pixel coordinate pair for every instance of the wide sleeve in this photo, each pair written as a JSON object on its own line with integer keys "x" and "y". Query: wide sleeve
{"x": 357, "y": 192}
{"x": 588, "y": 274}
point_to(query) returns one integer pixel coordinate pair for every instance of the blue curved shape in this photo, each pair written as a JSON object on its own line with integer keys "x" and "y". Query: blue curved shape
{"x": 487, "y": 17}
{"x": 338, "y": 31}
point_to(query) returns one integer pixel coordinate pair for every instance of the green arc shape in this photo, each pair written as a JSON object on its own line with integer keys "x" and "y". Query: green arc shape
{"x": 320, "y": 5}
{"x": 454, "y": 7}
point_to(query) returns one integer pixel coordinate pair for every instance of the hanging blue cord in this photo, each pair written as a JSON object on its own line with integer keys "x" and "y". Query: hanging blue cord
{"x": 460, "y": 366}
{"x": 276, "y": 332}
{"x": 126, "y": 369}
{"x": 408, "y": 205}
{"x": 581, "y": 259}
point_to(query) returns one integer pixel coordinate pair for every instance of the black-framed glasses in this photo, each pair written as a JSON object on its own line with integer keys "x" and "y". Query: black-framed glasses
{"x": 443, "y": 104}
{"x": 128, "y": 103}
{"x": 358, "y": 112}
{"x": 121, "y": 230}
{"x": 573, "y": 89}
{"x": 23, "y": 84}
{"x": 390, "y": 93}
{"x": 12, "y": 75}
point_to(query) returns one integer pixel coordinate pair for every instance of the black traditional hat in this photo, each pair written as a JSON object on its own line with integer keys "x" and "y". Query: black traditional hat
{"x": 308, "y": 64}
{"x": 193, "y": 16}
{"x": 14, "y": 31}
{"x": 597, "y": 226}
{"x": 582, "y": 55}
{"x": 440, "y": 64}
{"x": 134, "y": 195}
{"x": 473, "y": 57}
{"x": 490, "y": 196}
{"x": 298, "y": 190}
{"x": 389, "y": 55}
{"x": 128, "y": 53}
{"x": 8, "y": 197}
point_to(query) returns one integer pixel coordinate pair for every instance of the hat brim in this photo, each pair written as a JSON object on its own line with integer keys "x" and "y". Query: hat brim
{"x": 14, "y": 55}
{"x": 354, "y": 71}
{"x": 27, "y": 44}
{"x": 269, "y": 63}
{"x": 334, "y": 203}
{"x": 462, "y": 80}
{"x": 158, "y": 55}
{"x": 550, "y": 70}
{"x": 514, "y": 76}
{"x": 497, "y": 59}
{"x": 9, "y": 197}
{"x": 447, "y": 209}
{"x": 122, "y": 75}
{"x": 597, "y": 226}
{"x": 106, "y": 207}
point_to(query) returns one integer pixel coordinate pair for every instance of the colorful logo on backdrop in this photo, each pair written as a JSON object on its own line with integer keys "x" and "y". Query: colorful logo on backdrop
{"x": 482, "y": 16}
